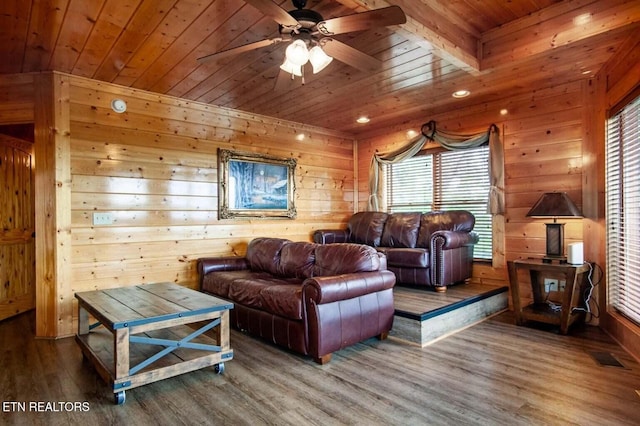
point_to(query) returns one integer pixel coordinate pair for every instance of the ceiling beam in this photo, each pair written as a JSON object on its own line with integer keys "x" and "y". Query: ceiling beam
{"x": 430, "y": 26}
{"x": 555, "y": 26}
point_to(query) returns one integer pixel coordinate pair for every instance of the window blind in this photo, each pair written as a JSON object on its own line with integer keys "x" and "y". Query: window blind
{"x": 451, "y": 180}
{"x": 410, "y": 185}
{"x": 623, "y": 210}
{"x": 464, "y": 185}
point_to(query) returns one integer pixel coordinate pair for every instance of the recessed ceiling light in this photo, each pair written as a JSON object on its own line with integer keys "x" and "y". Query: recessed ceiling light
{"x": 411, "y": 134}
{"x": 300, "y": 137}
{"x": 461, "y": 93}
{"x": 504, "y": 111}
{"x": 363, "y": 119}
{"x": 582, "y": 20}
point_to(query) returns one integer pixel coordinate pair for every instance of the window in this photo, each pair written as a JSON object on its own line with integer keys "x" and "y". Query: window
{"x": 623, "y": 210}
{"x": 450, "y": 180}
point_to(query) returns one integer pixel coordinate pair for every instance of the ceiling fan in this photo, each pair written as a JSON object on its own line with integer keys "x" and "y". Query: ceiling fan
{"x": 311, "y": 36}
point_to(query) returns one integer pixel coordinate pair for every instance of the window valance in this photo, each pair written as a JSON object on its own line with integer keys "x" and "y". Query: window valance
{"x": 451, "y": 141}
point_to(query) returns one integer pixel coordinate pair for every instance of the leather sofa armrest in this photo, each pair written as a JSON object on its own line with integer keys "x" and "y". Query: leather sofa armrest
{"x": 213, "y": 264}
{"x": 321, "y": 290}
{"x": 329, "y": 236}
{"x": 446, "y": 240}
{"x": 451, "y": 256}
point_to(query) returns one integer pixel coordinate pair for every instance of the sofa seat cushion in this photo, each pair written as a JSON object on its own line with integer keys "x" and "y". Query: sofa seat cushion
{"x": 281, "y": 297}
{"x": 406, "y": 257}
{"x": 218, "y": 283}
{"x": 284, "y": 300}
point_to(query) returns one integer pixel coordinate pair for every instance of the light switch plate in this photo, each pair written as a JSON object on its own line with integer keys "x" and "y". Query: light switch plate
{"x": 102, "y": 218}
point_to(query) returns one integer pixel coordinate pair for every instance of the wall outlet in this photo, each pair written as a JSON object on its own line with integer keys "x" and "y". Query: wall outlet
{"x": 102, "y": 219}
{"x": 550, "y": 284}
{"x": 561, "y": 285}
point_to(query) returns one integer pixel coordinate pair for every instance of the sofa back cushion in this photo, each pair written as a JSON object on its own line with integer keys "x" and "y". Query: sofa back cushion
{"x": 345, "y": 258}
{"x": 297, "y": 259}
{"x": 451, "y": 220}
{"x": 401, "y": 230}
{"x": 366, "y": 228}
{"x": 263, "y": 254}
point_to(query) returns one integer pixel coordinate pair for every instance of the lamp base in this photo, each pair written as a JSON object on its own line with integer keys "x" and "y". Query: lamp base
{"x": 555, "y": 240}
{"x": 554, "y": 259}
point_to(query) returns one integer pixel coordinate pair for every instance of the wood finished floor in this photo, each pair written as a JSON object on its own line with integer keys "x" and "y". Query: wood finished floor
{"x": 493, "y": 373}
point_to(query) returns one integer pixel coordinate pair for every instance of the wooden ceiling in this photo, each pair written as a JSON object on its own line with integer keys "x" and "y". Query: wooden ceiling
{"x": 490, "y": 47}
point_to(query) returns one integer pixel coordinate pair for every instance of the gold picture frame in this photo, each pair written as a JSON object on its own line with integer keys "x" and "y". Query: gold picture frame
{"x": 254, "y": 185}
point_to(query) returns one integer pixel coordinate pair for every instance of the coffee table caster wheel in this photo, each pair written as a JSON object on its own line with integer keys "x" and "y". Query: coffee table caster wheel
{"x": 119, "y": 397}
{"x": 219, "y": 368}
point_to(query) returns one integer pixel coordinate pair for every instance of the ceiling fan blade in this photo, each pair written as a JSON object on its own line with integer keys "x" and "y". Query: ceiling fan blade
{"x": 392, "y": 15}
{"x": 350, "y": 56}
{"x": 275, "y": 12}
{"x": 239, "y": 49}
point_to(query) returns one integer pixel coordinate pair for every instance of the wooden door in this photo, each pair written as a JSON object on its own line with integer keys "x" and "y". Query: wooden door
{"x": 17, "y": 221}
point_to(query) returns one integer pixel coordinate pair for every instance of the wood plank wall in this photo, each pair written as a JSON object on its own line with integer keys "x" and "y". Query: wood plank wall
{"x": 542, "y": 137}
{"x": 154, "y": 170}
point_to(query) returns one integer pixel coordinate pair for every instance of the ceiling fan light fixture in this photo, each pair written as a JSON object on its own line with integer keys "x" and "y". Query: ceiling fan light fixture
{"x": 291, "y": 68}
{"x": 319, "y": 59}
{"x": 297, "y": 53}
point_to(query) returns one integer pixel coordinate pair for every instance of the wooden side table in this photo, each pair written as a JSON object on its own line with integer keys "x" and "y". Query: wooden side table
{"x": 540, "y": 310}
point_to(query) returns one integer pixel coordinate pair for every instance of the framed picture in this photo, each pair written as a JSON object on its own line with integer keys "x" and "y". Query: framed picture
{"x": 255, "y": 185}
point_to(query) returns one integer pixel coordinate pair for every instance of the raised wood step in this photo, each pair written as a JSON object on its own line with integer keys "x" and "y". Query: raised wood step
{"x": 424, "y": 316}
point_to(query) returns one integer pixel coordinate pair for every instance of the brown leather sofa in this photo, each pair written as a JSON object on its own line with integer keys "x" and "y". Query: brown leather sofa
{"x": 432, "y": 249}
{"x": 310, "y": 298}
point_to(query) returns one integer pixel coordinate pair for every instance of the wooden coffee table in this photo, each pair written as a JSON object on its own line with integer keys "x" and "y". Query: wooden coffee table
{"x": 136, "y": 321}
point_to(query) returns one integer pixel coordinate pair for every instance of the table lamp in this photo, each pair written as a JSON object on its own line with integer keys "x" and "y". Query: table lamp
{"x": 555, "y": 205}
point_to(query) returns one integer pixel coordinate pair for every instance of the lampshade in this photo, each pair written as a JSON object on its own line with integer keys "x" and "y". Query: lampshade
{"x": 554, "y": 204}
{"x": 297, "y": 53}
{"x": 291, "y": 68}
{"x": 319, "y": 59}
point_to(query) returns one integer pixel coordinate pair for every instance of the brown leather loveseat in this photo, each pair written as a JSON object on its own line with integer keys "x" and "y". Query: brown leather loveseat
{"x": 310, "y": 298}
{"x": 432, "y": 249}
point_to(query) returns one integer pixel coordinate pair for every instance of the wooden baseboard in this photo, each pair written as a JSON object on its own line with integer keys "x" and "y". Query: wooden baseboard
{"x": 623, "y": 331}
